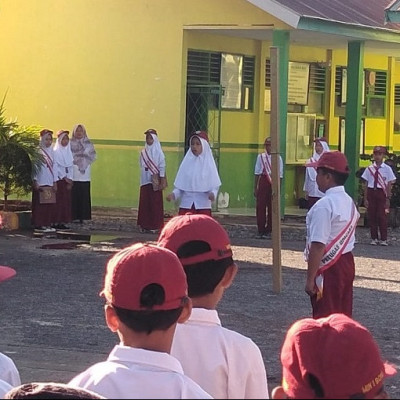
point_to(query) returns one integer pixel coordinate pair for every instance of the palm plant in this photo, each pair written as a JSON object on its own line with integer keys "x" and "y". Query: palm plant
{"x": 19, "y": 157}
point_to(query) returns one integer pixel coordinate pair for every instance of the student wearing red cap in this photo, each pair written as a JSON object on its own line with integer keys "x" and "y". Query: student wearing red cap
{"x": 313, "y": 194}
{"x": 9, "y": 375}
{"x": 45, "y": 186}
{"x": 64, "y": 165}
{"x": 331, "y": 358}
{"x": 225, "y": 363}
{"x": 331, "y": 225}
{"x": 263, "y": 190}
{"x": 152, "y": 182}
{"x": 197, "y": 181}
{"x": 145, "y": 294}
{"x": 379, "y": 178}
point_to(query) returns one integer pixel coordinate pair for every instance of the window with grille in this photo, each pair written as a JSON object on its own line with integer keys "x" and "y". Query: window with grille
{"x": 396, "y": 127}
{"x": 234, "y": 72}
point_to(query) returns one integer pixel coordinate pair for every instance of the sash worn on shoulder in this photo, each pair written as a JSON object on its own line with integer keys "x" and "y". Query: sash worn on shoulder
{"x": 149, "y": 162}
{"x": 381, "y": 181}
{"x": 266, "y": 166}
{"x": 334, "y": 250}
{"x": 48, "y": 161}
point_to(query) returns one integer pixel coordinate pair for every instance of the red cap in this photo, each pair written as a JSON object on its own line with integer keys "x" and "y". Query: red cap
{"x": 380, "y": 149}
{"x": 133, "y": 268}
{"x": 45, "y": 132}
{"x": 189, "y": 227}
{"x": 151, "y": 131}
{"x": 201, "y": 134}
{"x": 334, "y": 160}
{"x": 339, "y": 352}
{"x": 6, "y": 273}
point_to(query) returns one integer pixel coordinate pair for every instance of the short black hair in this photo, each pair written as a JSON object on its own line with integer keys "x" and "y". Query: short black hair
{"x": 339, "y": 177}
{"x": 149, "y": 320}
{"x": 202, "y": 277}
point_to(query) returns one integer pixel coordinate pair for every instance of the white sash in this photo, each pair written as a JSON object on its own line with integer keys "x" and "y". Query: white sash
{"x": 334, "y": 250}
{"x": 266, "y": 166}
{"x": 149, "y": 162}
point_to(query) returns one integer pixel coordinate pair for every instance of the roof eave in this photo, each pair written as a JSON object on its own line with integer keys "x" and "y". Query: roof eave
{"x": 356, "y": 32}
{"x": 278, "y": 11}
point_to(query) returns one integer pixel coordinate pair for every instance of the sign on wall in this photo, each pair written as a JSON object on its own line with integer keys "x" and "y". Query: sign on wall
{"x": 299, "y": 75}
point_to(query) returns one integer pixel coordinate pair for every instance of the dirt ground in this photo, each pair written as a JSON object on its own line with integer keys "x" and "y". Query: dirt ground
{"x": 52, "y": 321}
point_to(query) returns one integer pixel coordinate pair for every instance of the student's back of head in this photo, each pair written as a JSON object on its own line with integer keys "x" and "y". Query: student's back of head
{"x": 146, "y": 287}
{"x": 331, "y": 358}
{"x": 203, "y": 247}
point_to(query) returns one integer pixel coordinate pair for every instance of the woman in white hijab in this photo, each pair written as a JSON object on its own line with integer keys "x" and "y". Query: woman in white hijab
{"x": 313, "y": 194}
{"x": 64, "y": 162}
{"x": 152, "y": 182}
{"x": 44, "y": 186}
{"x": 84, "y": 155}
{"x": 197, "y": 181}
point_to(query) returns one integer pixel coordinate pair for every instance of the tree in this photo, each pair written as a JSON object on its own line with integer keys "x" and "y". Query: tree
{"x": 20, "y": 157}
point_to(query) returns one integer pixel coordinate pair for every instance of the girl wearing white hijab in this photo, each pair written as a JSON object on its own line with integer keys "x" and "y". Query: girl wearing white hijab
{"x": 64, "y": 162}
{"x": 313, "y": 194}
{"x": 197, "y": 181}
{"x": 152, "y": 182}
{"x": 84, "y": 155}
{"x": 43, "y": 207}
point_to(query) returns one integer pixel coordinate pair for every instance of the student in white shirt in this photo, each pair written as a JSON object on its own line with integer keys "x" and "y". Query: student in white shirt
{"x": 145, "y": 291}
{"x": 225, "y": 363}
{"x": 379, "y": 178}
{"x": 9, "y": 375}
{"x": 197, "y": 181}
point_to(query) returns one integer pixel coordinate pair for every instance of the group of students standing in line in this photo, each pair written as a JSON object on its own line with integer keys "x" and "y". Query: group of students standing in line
{"x": 61, "y": 184}
{"x": 161, "y": 301}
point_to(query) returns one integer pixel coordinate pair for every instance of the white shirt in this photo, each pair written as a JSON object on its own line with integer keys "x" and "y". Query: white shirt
{"x": 46, "y": 176}
{"x": 4, "y": 388}
{"x": 8, "y": 371}
{"x": 131, "y": 373}
{"x": 200, "y": 199}
{"x": 384, "y": 169}
{"x": 78, "y": 176}
{"x": 259, "y": 167}
{"x": 328, "y": 216}
{"x": 225, "y": 363}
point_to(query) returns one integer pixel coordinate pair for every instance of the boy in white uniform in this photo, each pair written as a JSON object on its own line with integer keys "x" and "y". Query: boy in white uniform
{"x": 378, "y": 178}
{"x": 225, "y": 363}
{"x": 9, "y": 375}
{"x": 145, "y": 291}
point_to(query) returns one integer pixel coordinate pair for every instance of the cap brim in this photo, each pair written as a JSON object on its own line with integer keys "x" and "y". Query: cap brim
{"x": 6, "y": 273}
{"x": 390, "y": 369}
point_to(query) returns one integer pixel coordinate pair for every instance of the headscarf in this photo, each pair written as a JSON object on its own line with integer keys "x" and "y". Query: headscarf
{"x": 198, "y": 173}
{"x": 153, "y": 151}
{"x": 311, "y": 171}
{"x": 63, "y": 154}
{"x": 82, "y": 149}
{"x": 47, "y": 152}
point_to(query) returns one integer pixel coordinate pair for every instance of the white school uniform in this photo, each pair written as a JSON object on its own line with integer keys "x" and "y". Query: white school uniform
{"x": 259, "y": 166}
{"x": 156, "y": 155}
{"x": 4, "y": 388}
{"x": 310, "y": 180}
{"x": 131, "y": 373}
{"x": 8, "y": 371}
{"x": 225, "y": 363}
{"x": 385, "y": 171}
{"x": 63, "y": 159}
{"x": 327, "y": 218}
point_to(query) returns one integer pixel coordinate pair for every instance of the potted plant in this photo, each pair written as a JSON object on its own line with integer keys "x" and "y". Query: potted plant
{"x": 19, "y": 159}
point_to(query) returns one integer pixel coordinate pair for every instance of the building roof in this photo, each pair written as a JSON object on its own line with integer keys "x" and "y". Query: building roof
{"x": 368, "y": 13}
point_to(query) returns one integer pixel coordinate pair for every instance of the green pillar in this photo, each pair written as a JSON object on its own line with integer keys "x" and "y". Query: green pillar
{"x": 281, "y": 39}
{"x": 355, "y": 76}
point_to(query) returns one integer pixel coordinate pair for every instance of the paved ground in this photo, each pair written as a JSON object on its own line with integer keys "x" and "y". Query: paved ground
{"x": 52, "y": 319}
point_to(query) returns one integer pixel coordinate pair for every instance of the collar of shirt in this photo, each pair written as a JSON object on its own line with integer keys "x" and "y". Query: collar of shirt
{"x": 204, "y": 316}
{"x": 160, "y": 360}
{"x": 335, "y": 189}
